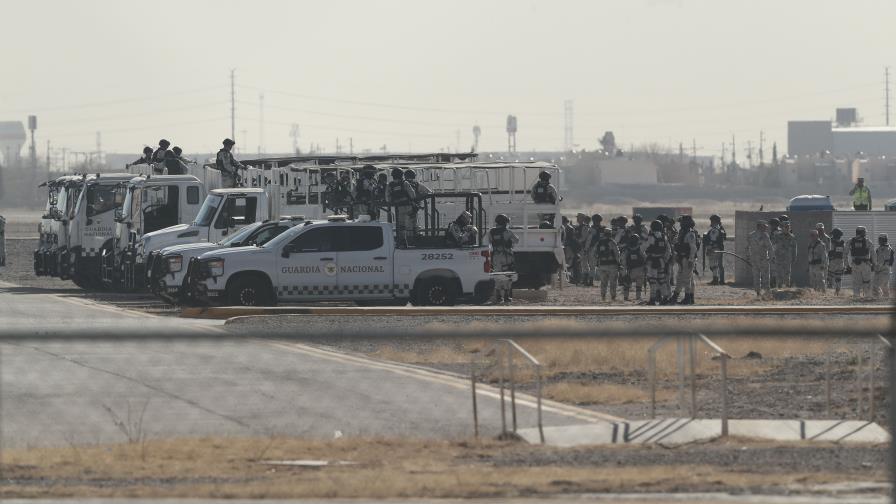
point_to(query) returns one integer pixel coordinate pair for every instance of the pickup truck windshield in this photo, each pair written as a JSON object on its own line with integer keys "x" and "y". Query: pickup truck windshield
{"x": 240, "y": 235}
{"x": 208, "y": 210}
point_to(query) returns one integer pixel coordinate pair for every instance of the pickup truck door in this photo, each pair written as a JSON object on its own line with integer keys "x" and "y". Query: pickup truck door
{"x": 310, "y": 272}
{"x": 365, "y": 263}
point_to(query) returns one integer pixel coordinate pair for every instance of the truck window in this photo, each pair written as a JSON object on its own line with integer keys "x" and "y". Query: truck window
{"x": 241, "y": 209}
{"x": 322, "y": 239}
{"x": 361, "y": 238}
{"x": 268, "y": 234}
{"x": 192, "y": 195}
{"x": 160, "y": 207}
{"x": 101, "y": 199}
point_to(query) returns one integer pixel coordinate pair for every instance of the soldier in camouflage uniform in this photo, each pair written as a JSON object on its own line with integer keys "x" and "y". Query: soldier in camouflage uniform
{"x": 784, "y": 244}
{"x": 759, "y": 252}
{"x": 836, "y": 259}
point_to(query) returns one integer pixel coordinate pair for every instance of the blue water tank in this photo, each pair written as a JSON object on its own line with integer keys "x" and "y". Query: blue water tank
{"x": 809, "y": 203}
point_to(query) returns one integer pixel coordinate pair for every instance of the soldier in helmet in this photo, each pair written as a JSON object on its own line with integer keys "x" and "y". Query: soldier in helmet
{"x": 364, "y": 193}
{"x": 861, "y": 256}
{"x": 584, "y": 236}
{"x": 672, "y": 236}
{"x": 421, "y": 190}
{"x": 570, "y": 247}
{"x": 543, "y": 192}
{"x": 658, "y": 253}
{"x": 461, "y": 232}
{"x": 713, "y": 245}
{"x": 401, "y": 196}
{"x": 608, "y": 263}
{"x": 836, "y": 259}
{"x": 227, "y": 165}
{"x": 146, "y": 158}
{"x": 158, "y": 156}
{"x": 883, "y": 259}
{"x": 759, "y": 252}
{"x": 785, "y": 255}
{"x": 634, "y": 262}
{"x": 379, "y": 193}
{"x": 620, "y": 230}
{"x": 817, "y": 256}
{"x": 685, "y": 256}
{"x": 502, "y": 240}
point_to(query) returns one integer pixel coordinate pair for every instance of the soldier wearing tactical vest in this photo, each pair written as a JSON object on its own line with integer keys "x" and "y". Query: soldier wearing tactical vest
{"x": 861, "y": 195}
{"x": 817, "y": 255}
{"x": 502, "y": 240}
{"x": 686, "y": 257}
{"x": 713, "y": 244}
{"x": 836, "y": 259}
{"x": 634, "y": 262}
{"x": 364, "y": 192}
{"x": 785, "y": 255}
{"x": 227, "y": 165}
{"x": 606, "y": 251}
{"x": 543, "y": 192}
{"x": 759, "y": 252}
{"x": 658, "y": 253}
{"x": 883, "y": 260}
{"x": 861, "y": 254}
{"x": 401, "y": 195}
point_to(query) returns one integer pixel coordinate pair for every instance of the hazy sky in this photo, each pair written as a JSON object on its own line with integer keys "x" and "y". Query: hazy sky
{"x": 409, "y": 74}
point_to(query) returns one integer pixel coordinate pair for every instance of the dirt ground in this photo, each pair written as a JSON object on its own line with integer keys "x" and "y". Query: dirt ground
{"x": 382, "y": 468}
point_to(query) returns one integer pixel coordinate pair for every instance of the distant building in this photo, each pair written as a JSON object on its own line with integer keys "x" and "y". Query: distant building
{"x": 12, "y": 138}
{"x": 814, "y": 138}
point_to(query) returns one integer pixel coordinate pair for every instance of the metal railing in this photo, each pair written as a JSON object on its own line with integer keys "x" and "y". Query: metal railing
{"x": 869, "y": 375}
{"x": 689, "y": 343}
{"x": 503, "y": 351}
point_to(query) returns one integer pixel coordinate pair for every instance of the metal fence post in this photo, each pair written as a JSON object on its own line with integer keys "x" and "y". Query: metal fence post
{"x": 475, "y": 406}
{"x": 540, "y": 425}
{"x": 679, "y": 361}
{"x": 692, "y": 351}
{"x": 503, "y": 414}
{"x": 651, "y": 376}
{"x": 891, "y": 414}
{"x": 870, "y": 386}
{"x": 827, "y": 384}
{"x": 724, "y": 364}
{"x": 512, "y": 385}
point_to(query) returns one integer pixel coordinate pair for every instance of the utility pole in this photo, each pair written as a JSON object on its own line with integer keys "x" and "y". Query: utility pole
{"x": 750, "y": 153}
{"x": 733, "y": 150}
{"x": 233, "y": 104}
{"x": 694, "y": 148}
{"x": 723, "y": 154}
{"x": 887, "y": 94}
{"x": 294, "y": 133}
{"x": 477, "y": 131}
{"x": 48, "y": 159}
{"x": 351, "y": 147}
{"x": 261, "y": 123}
{"x": 761, "y": 147}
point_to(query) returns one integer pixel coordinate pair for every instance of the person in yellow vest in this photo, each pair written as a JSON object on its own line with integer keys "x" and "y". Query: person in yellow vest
{"x": 861, "y": 195}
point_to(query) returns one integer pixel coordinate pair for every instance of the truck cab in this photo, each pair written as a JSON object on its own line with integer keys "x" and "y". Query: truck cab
{"x": 150, "y": 204}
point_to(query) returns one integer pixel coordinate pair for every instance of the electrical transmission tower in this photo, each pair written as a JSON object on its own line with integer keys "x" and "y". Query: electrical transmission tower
{"x": 568, "y": 142}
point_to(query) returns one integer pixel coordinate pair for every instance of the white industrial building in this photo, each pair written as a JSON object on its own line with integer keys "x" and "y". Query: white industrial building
{"x": 841, "y": 138}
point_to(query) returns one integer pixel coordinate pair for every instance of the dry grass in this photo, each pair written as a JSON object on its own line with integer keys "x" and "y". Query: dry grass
{"x": 230, "y": 468}
{"x": 596, "y": 394}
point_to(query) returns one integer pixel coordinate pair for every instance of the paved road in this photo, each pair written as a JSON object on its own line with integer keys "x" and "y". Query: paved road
{"x": 56, "y": 392}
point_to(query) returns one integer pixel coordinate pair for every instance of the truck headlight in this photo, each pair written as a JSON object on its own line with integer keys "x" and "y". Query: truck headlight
{"x": 175, "y": 263}
{"x": 213, "y": 267}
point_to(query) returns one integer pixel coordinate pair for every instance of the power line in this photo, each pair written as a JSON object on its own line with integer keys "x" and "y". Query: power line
{"x": 109, "y": 102}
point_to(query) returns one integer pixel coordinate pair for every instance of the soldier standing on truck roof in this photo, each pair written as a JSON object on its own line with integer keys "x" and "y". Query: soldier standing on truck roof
{"x": 146, "y": 158}
{"x": 543, "y": 192}
{"x": 401, "y": 195}
{"x": 861, "y": 195}
{"x": 759, "y": 252}
{"x": 159, "y": 155}
{"x": 227, "y": 165}
{"x": 420, "y": 190}
{"x": 502, "y": 240}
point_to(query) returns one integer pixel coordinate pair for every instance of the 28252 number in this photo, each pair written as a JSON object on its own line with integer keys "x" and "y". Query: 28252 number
{"x": 437, "y": 257}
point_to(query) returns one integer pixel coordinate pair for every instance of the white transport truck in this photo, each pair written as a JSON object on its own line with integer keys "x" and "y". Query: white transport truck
{"x": 79, "y": 221}
{"x": 343, "y": 260}
{"x": 167, "y": 277}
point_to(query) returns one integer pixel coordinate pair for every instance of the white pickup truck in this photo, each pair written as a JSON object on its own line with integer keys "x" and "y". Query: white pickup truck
{"x": 343, "y": 260}
{"x": 168, "y": 275}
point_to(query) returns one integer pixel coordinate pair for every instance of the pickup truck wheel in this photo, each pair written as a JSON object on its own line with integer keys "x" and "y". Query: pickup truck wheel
{"x": 248, "y": 291}
{"x": 436, "y": 292}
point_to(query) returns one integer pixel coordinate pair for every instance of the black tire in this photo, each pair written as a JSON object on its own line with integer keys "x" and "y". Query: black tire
{"x": 249, "y": 291}
{"x": 87, "y": 283}
{"x": 436, "y": 292}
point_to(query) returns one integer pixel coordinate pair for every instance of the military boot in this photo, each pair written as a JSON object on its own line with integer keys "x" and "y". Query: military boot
{"x": 674, "y": 298}
{"x": 715, "y": 281}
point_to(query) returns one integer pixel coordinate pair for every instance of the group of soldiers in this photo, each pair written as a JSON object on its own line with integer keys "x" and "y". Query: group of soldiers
{"x": 771, "y": 251}
{"x": 165, "y": 161}
{"x": 634, "y": 255}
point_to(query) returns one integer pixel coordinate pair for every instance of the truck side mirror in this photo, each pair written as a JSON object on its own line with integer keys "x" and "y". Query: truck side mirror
{"x": 119, "y": 214}
{"x": 286, "y": 251}
{"x": 231, "y": 222}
